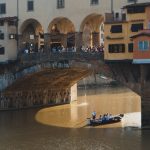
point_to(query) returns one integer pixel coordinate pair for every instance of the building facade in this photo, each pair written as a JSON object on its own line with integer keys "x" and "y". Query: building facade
{"x": 118, "y": 31}
{"x": 141, "y": 48}
{"x": 36, "y": 24}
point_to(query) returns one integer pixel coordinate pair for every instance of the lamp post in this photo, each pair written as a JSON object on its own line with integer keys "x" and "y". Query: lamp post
{"x": 17, "y": 25}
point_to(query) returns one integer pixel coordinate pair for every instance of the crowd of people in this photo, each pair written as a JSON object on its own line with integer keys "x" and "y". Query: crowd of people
{"x": 61, "y": 48}
{"x": 93, "y": 49}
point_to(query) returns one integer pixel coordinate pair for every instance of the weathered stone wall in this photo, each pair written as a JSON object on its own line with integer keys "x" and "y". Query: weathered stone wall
{"x": 27, "y": 99}
{"x": 18, "y": 89}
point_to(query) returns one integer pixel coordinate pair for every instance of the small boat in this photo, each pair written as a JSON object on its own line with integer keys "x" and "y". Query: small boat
{"x": 96, "y": 122}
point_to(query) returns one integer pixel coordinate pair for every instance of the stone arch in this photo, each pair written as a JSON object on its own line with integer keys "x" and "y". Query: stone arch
{"x": 62, "y": 32}
{"x": 63, "y": 24}
{"x": 90, "y": 29}
{"x": 32, "y": 35}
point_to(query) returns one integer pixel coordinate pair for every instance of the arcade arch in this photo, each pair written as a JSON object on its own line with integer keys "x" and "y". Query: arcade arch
{"x": 62, "y": 33}
{"x": 90, "y": 29}
{"x": 32, "y": 35}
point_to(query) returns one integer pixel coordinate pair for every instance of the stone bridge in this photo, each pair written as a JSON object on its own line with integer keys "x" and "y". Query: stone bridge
{"x": 43, "y": 78}
{"x": 46, "y": 78}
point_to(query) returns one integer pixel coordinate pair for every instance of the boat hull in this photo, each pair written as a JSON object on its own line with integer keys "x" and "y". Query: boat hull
{"x": 97, "y": 122}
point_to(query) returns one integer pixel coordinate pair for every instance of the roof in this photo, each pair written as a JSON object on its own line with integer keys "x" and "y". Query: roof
{"x": 138, "y": 4}
{"x": 142, "y": 33}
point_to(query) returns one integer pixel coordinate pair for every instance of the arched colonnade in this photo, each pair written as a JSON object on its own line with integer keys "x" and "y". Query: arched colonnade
{"x": 61, "y": 31}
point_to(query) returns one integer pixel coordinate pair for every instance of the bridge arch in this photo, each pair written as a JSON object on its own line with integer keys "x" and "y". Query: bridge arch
{"x": 62, "y": 32}
{"x": 32, "y": 35}
{"x": 90, "y": 29}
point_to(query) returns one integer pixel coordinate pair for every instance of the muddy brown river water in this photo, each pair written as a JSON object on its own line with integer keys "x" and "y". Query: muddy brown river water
{"x": 64, "y": 127}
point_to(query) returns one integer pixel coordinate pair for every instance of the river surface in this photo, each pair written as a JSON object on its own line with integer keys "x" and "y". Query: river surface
{"x": 64, "y": 127}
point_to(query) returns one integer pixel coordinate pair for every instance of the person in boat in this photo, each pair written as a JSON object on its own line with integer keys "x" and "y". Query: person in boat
{"x": 100, "y": 118}
{"x": 94, "y": 115}
{"x": 104, "y": 117}
{"x": 110, "y": 117}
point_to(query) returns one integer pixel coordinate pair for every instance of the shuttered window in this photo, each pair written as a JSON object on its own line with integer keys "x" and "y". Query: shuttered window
{"x": 2, "y": 50}
{"x": 130, "y": 47}
{"x": 1, "y": 36}
{"x": 136, "y": 27}
{"x": 2, "y": 8}
{"x": 116, "y": 29}
{"x": 94, "y": 2}
{"x": 116, "y": 48}
{"x": 135, "y": 9}
{"x": 60, "y": 3}
{"x": 30, "y": 5}
{"x": 143, "y": 45}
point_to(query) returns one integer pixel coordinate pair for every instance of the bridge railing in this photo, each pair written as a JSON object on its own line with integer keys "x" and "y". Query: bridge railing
{"x": 59, "y": 56}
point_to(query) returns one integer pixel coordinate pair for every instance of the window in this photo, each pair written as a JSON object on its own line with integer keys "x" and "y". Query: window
{"x": 136, "y": 27}
{"x": 140, "y": 45}
{"x": 94, "y": 2}
{"x": 143, "y": 45}
{"x": 135, "y": 9}
{"x": 146, "y": 45}
{"x": 2, "y": 50}
{"x": 116, "y": 29}
{"x": 130, "y": 47}
{"x": 2, "y": 8}
{"x": 1, "y": 23}
{"x": 131, "y": 1}
{"x": 1, "y": 36}
{"x": 60, "y": 3}
{"x": 116, "y": 48}
{"x": 149, "y": 25}
{"x": 117, "y": 15}
{"x": 30, "y": 5}
{"x": 123, "y": 16}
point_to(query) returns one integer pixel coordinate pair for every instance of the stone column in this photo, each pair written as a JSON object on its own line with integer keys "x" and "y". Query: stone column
{"x": 20, "y": 42}
{"x": 78, "y": 40}
{"x": 64, "y": 40}
{"x": 95, "y": 39}
{"x": 47, "y": 41}
{"x": 73, "y": 93}
{"x": 145, "y": 95}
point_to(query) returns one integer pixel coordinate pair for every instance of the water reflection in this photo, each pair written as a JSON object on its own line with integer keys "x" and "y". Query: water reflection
{"x": 102, "y": 100}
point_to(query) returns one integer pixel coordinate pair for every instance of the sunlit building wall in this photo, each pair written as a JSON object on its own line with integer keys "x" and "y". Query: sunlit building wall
{"x": 118, "y": 31}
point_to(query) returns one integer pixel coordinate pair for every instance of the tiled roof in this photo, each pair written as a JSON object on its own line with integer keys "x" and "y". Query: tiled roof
{"x": 142, "y": 33}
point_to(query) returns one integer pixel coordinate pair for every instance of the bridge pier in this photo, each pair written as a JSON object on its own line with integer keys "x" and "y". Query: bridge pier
{"x": 145, "y": 95}
{"x": 73, "y": 93}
